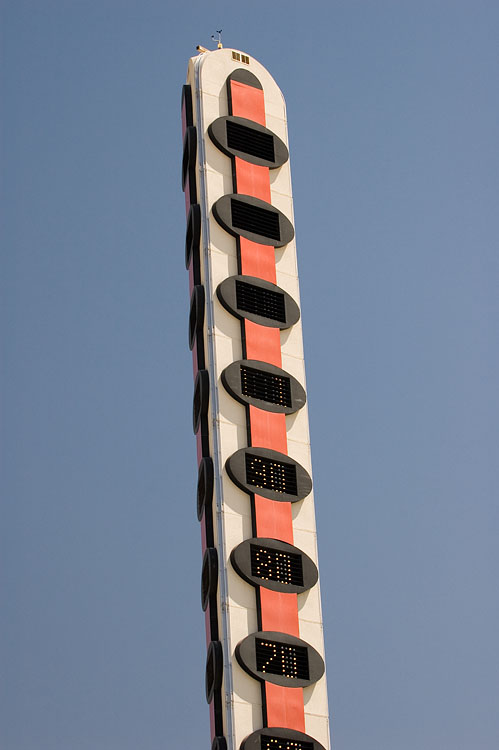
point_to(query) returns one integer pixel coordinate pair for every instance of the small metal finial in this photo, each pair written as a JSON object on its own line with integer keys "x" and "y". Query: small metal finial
{"x": 219, "y": 39}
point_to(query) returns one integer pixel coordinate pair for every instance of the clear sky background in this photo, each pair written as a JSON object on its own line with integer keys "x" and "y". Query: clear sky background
{"x": 394, "y": 118}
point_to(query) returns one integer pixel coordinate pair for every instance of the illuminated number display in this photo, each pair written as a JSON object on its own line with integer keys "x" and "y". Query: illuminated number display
{"x": 277, "y": 475}
{"x": 280, "y": 743}
{"x": 279, "y": 738}
{"x": 283, "y": 659}
{"x": 271, "y": 475}
{"x": 274, "y": 565}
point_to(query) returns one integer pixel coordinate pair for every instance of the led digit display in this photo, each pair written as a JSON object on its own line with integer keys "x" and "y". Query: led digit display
{"x": 284, "y": 659}
{"x": 273, "y": 565}
{"x": 280, "y": 658}
{"x": 279, "y": 743}
{"x": 279, "y": 738}
{"x": 271, "y": 475}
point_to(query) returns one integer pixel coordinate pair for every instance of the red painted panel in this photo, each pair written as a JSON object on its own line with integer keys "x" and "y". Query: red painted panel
{"x": 184, "y": 120}
{"x": 285, "y": 707}
{"x": 207, "y": 625}
{"x": 257, "y": 260}
{"x": 279, "y": 611}
{"x": 247, "y": 101}
{"x": 187, "y": 197}
{"x": 195, "y": 367}
{"x": 273, "y": 519}
{"x": 263, "y": 343}
{"x": 212, "y": 719}
{"x": 252, "y": 180}
{"x": 191, "y": 277}
{"x": 268, "y": 430}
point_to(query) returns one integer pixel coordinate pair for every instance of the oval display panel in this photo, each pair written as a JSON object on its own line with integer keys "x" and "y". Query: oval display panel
{"x": 247, "y": 139}
{"x": 257, "y": 220}
{"x": 275, "y": 565}
{"x": 263, "y": 385}
{"x": 279, "y": 738}
{"x": 259, "y": 301}
{"x": 214, "y": 669}
{"x": 280, "y": 658}
{"x": 269, "y": 474}
{"x": 192, "y": 234}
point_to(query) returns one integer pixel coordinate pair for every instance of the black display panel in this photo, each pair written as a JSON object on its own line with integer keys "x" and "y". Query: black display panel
{"x": 247, "y": 139}
{"x": 259, "y": 301}
{"x": 260, "y": 384}
{"x": 269, "y": 742}
{"x": 280, "y": 658}
{"x": 257, "y": 220}
{"x": 275, "y": 565}
{"x": 262, "y": 302}
{"x": 269, "y": 473}
{"x": 279, "y": 738}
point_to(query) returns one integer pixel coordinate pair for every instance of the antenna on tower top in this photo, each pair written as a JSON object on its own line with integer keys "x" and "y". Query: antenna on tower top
{"x": 219, "y": 39}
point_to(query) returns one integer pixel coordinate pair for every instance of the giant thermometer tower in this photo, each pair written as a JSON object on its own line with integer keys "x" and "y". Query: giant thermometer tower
{"x": 265, "y": 679}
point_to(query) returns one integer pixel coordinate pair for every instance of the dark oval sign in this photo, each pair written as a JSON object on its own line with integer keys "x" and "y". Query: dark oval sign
{"x": 206, "y": 481}
{"x": 192, "y": 234}
{"x": 269, "y": 473}
{"x": 261, "y": 384}
{"x": 275, "y": 565}
{"x": 196, "y": 314}
{"x": 280, "y": 658}
{"x": 201, "y": 398}
{"x": 259, "y": 301}
{"x": 247, "y": 139}
{"x": 257, "y": 220}
{"x": 272, "y": 738}
{"x": 209, "y": 576}
{"x": 214, "y": 669}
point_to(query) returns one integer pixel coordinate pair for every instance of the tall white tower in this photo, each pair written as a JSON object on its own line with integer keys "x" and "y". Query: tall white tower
{"x": 265, "y": 678}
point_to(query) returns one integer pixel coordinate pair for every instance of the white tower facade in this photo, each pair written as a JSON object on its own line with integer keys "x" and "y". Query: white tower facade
{"x": 265, "y": 672}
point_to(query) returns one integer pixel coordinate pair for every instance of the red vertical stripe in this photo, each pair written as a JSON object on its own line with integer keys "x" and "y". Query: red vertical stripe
{"x": 285, "y": 707}
{"x": 263, "y": 343}
{"x": 279, "y": 611}
{"x": 252, "y": 180}
{"x": 248, "y": 102}
{"x": 257, "y": 260}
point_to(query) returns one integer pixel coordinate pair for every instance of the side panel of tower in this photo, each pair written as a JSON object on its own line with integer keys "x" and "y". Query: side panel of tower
{"x": 263, "y": 620}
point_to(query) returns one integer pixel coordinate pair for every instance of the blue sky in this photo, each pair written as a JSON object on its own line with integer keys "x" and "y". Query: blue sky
{"x": 393, "y": 118}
